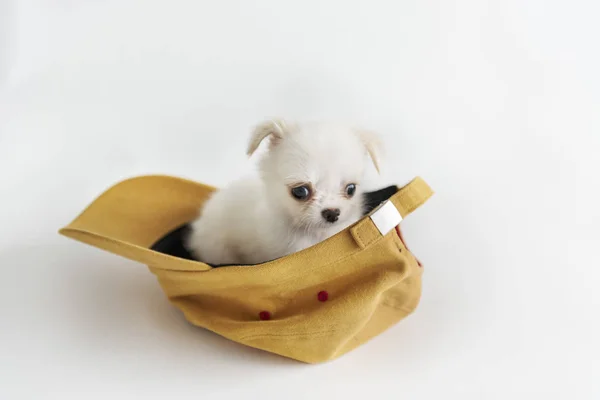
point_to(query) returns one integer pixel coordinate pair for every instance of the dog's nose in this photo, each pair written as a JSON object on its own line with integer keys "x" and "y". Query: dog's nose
{"x": 331, "y": 214}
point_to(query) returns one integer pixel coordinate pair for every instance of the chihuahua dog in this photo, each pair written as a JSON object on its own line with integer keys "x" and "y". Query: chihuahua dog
{"x": 308, "y": 189}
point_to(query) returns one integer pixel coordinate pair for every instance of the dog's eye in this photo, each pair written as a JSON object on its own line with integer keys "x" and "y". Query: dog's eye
{"x": 350, "y": 190}
{"x": 301, "y": 192}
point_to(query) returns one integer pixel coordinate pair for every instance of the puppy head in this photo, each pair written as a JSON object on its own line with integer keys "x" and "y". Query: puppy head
{"x": 313, "y": 172}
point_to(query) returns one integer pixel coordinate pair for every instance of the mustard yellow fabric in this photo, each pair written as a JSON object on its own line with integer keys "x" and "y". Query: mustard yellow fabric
{"x": 372, "y": 281}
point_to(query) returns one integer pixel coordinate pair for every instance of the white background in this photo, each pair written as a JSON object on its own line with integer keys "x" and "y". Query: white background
{"x": 495, "y": 103}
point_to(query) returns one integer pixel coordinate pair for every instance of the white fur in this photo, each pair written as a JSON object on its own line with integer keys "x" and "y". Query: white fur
{"x": 256, "y": 219}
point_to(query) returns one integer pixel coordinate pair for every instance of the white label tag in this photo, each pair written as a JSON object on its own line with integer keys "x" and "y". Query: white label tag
{"x": 386, "y": 217}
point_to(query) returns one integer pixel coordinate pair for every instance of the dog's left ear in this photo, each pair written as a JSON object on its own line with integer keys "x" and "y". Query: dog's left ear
{"x": 275, "y": 128}
{"x": 373, "y": 145}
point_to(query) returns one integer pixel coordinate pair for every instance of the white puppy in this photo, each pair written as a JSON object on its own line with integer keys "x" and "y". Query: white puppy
{"x": 308, "y": 189}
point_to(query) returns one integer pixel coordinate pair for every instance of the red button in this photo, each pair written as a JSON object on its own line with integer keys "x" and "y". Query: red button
{"x": 323, "y": 296}
{"x": 264, "y": 315}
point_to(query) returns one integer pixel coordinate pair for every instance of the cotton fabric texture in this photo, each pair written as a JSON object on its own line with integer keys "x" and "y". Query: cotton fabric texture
{"x": 312, "y": 306}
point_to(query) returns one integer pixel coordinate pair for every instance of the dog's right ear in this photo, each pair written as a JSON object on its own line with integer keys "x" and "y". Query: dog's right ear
{"x": 275, "y": 128}
{"x": 373, "y": 146}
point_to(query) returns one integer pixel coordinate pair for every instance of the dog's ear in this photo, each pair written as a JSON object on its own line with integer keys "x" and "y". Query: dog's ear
{"x": 275, "y": 128}
{"x": 373, "y": 145}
